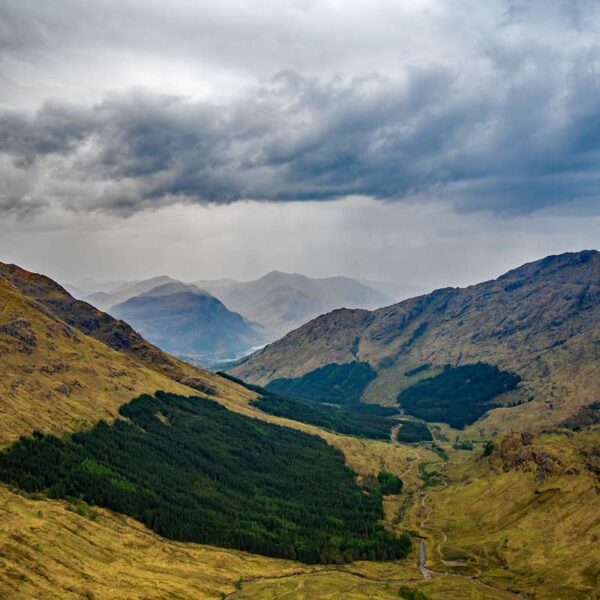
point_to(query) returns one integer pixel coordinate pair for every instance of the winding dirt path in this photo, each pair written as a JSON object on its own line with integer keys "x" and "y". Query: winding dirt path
{"x": 426, "y": 573}
{"x": 317, "y": 573}
{"x": 429, "y": 573}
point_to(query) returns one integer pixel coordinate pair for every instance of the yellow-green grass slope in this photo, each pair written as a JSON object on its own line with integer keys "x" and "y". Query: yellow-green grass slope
{"x": 54, "y": 378}
{"x": 527, "y": 517}
{"x": 57, "y": 378}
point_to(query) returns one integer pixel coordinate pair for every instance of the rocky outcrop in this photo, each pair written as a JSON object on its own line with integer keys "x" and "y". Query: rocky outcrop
{"x": 518, "y": 453}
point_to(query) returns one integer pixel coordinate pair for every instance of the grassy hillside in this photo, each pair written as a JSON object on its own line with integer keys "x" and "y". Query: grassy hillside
{"x": 58, "y": 550}
{"x": 60, "y": 379}
{"x": 524, "y": 517}
{"x": 527, "y": 516}
{"x": 193, "y": 471}
{"x": 56, "y": 378}
{"x": 540, "y": 321}
{"x": 116, "y": 334}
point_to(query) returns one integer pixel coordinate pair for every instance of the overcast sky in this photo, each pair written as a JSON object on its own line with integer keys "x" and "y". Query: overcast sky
{"x": 433, "y": 142}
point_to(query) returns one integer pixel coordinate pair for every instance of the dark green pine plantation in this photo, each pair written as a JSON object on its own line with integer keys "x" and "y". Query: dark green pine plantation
{"x": 193, "y": 471}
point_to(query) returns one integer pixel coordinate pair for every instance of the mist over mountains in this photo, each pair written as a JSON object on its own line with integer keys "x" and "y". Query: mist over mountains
{"x": 282, "y": 302}
{"x": 215, "y": 320}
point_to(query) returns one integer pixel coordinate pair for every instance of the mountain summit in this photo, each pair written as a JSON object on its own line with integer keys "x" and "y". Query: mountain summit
{"x": 187, "y": 321}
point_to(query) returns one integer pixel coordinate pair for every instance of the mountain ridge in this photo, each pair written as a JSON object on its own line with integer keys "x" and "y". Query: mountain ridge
{"x": 282, "y": 301}
{"x": 270, "y": 307}
{"x": 527, "y": 321}
{"x": 57, "y": 303}
{"x": 105, "y": 300}
{"x": 61, "y": 379}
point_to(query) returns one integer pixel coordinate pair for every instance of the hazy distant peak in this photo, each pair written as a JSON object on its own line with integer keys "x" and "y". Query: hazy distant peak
{"x": 174, "y": 287}
{"x": 185, "y": 320}
{"x": 207, "y": 284}
{"x": 283, "y": 301}
{"x": 278, "y": 276}
{"x": 105, "y": 301}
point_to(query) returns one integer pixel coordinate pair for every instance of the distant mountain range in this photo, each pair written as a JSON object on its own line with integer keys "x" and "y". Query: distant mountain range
{"x": 540, "y": 322}
{"x": 65, "y": 363}
{"x": 85, "y": 287}
{"x": 187, "y": 321}
{"x": 224, "y": 319}
{"x": 105, "y": 300}
{"x": 281, "y": 302}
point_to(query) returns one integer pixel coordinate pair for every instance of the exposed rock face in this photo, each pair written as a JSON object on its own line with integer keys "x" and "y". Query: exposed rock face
{"x": 21, "y": 331}
{"x": 586, "y": 416}
{"x": 517, "y": 453}
{"x": 541, "y": 321}
{"x": 592, "y": 460}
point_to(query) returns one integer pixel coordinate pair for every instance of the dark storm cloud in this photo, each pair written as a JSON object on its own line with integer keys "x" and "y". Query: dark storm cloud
{"x": 513, "y": 128}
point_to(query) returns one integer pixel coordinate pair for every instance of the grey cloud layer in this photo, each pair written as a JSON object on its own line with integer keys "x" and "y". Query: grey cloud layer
{"x": 515, "y": 127}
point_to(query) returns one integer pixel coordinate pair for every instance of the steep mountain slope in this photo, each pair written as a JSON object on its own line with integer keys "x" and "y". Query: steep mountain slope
{"x": 58, "y": 378}
{"x": 57, "y": 550}
{"x": 61, "y": 376}
{"x": 55, "y": 377}
{"x": 283, "y": 301}
{"x": 540, "y": 321}
{"x": 528, "y": 514}
{"x": 65, "y": 365}
{"x": 44, "y": 301}
{"x": 47, "y": 308}
{"x": 185, "y": 320}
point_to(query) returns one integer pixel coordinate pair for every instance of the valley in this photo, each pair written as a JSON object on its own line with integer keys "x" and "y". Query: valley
{"x": 488, "y": 516}
{"x": 299, "y": 300}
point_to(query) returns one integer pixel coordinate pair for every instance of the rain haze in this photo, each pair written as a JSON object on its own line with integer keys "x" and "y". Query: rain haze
{"x": 429, "y": 142}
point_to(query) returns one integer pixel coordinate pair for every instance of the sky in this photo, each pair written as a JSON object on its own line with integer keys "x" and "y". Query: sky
{"x": 429, "y": 142}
